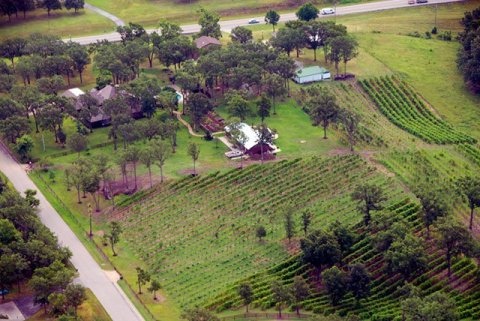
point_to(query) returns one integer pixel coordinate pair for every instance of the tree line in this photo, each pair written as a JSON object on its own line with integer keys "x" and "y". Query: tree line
{"x": 468, "y": 61}
{"x": 14, "y": 7}
{"x": 30, "y": 255}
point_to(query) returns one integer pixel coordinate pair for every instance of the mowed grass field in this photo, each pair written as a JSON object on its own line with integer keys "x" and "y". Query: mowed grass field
{"x": 62, "y": 23}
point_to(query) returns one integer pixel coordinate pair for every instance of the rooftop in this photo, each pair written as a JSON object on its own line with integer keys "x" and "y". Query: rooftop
{"x": 310, "y": 71}
{"x": 204, "y": 41}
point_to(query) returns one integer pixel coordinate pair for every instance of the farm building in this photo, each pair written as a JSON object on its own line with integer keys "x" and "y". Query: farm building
{"x": 205, "y": 42}
{"x": 249, "y": 144}
{"x": 311, "y": 74}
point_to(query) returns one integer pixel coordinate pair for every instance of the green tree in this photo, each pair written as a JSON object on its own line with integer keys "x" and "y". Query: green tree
{"x": 50, "y": 86}
{"x": 13, "y": 268}
{"x": 91, "y": 185}
{"x": 285, "y": 40}
{"x": 241, "y": 35}
{"x": 272, "y": 18}
{"x": 75, "y": 295}
{"x": 307, "y": 12}
{"x": 47, "y": 280}
{"x": 194, "y": 152}
{"x": 336, "y": 284}
{"x": 345, "y": 237}
{"x": 154, "y": 287}
{"x": 261, "y": 232}
{"x": 342, "y": 48}
{"x": 74, "y": 4}
{"x": 350, "y": 123}
{"x": 434, "y": 206}
{"x": 30, "y": 198}
{"x": 469, "y": 188}
{"x": 454, "y": 238}
{"x": 306, "y": 220}
{"x": 322, "y": 107}
{"x": 369, "y": 197}
{"x": 238, "y": 106}
{"x": 289, "y": 225}
{"x": 24, "y": 147}
{"x": 133, "y": 156}
{"x": 142, "y": 278}
{"x": 246, "y": 294}
{"x": 263, "y": 107}
{"x": 49, "y": 5}
{"x": 114, "y": 235}
{"x": 281, "y": 296}
{"x": 147, "y": 157}
{"x": 77, "y": 143}
{"x": 12, "y": 48}
{"x": 274, "y": 88}
{"x": 406, "y": 256}
{"x": 435, "y": 307}
{"x": 209, "y": 25}
{"x": 78, "y": 54}
{"x": 198, "y": 314}
{"x": 160, "y": 153}
{"x": 359, "y": 281}
{"x": 300, "y": 291}
{"x": 199, "y": 105}
{"x": 320, "y": 249}
{"x": 24, "y": 6}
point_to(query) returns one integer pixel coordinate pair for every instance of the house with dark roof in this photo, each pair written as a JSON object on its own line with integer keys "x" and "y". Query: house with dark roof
{"x": 205, "y": 42}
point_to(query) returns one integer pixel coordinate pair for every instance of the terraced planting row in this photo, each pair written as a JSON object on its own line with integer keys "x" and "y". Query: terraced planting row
{"x": 471, "y": 151}
{"x": 375, "y": 129}
{"x": 384, "y": 301}
{"x": 197, "y": 235}
{"x": 403, "y": 107}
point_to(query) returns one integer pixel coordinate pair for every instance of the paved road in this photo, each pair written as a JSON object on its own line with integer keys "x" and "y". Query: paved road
{"x": 228, "y": 25}
{"x": 91, "y": 275}
{"x": 116, "y": 20}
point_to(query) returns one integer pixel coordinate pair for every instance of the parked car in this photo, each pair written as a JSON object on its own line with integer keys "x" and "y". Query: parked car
{"x": 411, "y": 1}
{"x": 422, "y": 1}
{"x": 253, "y": 21}
{"x": 327, "y": 11}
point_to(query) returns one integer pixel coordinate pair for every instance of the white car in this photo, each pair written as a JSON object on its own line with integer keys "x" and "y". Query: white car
{"x": 327, "y": 11}
{"x": 253, "y": 21}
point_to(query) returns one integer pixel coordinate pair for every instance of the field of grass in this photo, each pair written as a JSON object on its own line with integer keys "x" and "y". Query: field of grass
{"x": 61, "y": 23}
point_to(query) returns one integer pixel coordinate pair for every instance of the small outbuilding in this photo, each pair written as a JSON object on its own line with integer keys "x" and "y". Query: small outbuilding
{"x": 205, "y": 42}
{"x": 311, "y": 74}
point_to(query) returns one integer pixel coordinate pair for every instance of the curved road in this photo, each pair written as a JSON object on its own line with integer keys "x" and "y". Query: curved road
{"x": 116, "y": 20}
{"x": 228, "y": 25}
{"x": 91, "y": 275}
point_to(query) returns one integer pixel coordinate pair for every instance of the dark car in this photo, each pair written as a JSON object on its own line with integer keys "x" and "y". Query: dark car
{"x": 422, "y": 1}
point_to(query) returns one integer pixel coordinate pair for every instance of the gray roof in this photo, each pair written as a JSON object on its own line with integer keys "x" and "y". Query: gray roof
{"x": 107, "y": 92}
{"x": 205, "y": 41}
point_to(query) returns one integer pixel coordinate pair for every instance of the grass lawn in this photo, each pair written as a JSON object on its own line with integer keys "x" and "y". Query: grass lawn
{"x": 61, "y": 23}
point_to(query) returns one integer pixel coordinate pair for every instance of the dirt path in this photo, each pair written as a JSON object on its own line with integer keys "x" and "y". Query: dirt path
{"x": 116, "y": 20}
{"x": 186, "y": 124}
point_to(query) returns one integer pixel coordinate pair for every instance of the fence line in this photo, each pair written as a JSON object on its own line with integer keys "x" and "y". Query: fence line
{"x": 265, "y": 315}
{"x": 85, "y": 234}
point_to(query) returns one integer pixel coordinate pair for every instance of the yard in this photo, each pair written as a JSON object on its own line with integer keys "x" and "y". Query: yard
{"x": 62, "y": 23}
